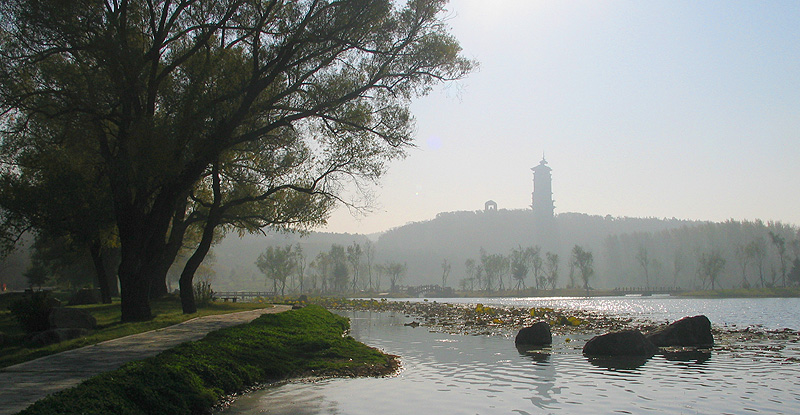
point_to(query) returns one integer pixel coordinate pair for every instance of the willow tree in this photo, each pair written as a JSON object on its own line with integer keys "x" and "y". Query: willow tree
{"x": 583, "y": 260}
{"x": 161, "y": 92}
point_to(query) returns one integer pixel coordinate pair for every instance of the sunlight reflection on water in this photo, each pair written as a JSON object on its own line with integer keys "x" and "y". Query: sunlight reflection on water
{"x": 456, "y": 374}
{"x": 769, "y": 313}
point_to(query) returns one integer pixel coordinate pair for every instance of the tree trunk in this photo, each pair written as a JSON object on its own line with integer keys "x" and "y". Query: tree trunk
{"x": 100, "y": 270}
{"x": 143, "y": 242}
{"x": 135, "y": 294}
{"x": 176, "y": 233}
{"x": 188, "y": 303}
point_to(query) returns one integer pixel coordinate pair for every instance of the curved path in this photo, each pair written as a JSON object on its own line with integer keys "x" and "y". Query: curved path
{"x": 25, "y": 383}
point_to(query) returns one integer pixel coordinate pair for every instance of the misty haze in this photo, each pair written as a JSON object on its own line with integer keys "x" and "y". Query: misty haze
{"x": 412, "y": 207}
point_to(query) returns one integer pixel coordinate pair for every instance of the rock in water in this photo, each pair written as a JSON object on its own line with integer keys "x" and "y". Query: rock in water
{"x": 535, "y": 335}
{"x": 71, "y": 318}
{"x": 620, "y": 343}
{"x": 687, "y": 332}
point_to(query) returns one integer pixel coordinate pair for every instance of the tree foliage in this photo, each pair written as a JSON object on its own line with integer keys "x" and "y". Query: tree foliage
{"x": 710, "y": 266}
{"x": 249, "y": 113}
{"x": 395, "y": 271}
{"x": 551, "y": 269}
{"x": 584, "y": 262}
{"x": 277, "y": 264}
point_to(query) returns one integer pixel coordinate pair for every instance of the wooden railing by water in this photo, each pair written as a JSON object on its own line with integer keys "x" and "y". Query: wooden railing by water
{"x": 648, "y": 290}
{"x": 242, "y": 295}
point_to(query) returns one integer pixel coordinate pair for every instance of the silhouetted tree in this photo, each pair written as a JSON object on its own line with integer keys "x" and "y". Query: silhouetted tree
{"x": 643, "y": 258}
{"x": 494, "y": 266}
{"x": 277, "y": 263}
{"x": 551, "y": 269}
{"x": 395, "y": 271}
{"x": 300, "y": 266}
{"x": 677, "y": 266}
{"x": 36, "y": 275}
{"x": 322, "y": 266}
{"x": 519, "y": 262}
{"x": 339, "y": 272}
{"x": 780, "y": 245}
{"x": 757, "y": 249}
{"x": 535, "y": 255}
{"x": 743, "y": 258}
{"x": 470, "y": 270}
{"x": 583, "y": 260}
{"x": 710, "y": 266}
{"x": 446, "y": 266}
{"x": 161, "y": 91}
{"x": 369, "y": 254}
{"x": 354, "y": 254}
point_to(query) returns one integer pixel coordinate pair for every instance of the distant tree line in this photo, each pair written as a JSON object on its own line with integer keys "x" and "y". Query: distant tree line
{"x": 625, "y": 252}
{"x": 338, "y": 270}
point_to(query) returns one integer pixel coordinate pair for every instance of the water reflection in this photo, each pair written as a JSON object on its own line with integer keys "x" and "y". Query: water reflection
{"x": 695, "y": 356}
{"x": 454, "y": 374}
{"x": 538, "y": 354}
{"x": 618, "y": 362}
{"x": 543, "y": 377}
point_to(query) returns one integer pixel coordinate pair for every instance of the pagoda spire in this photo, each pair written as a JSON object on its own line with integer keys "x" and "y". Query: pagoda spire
{"x": 542, "y": 196}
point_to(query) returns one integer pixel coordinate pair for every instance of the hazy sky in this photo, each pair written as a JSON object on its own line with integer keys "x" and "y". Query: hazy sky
{"x": 687, "y": 109}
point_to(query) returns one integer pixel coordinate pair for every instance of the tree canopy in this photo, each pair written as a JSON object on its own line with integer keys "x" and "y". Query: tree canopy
{"x": 250, "y": 113}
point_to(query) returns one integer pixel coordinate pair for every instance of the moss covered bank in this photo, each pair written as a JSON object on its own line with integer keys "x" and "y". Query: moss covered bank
{"x": 193, "y": 377}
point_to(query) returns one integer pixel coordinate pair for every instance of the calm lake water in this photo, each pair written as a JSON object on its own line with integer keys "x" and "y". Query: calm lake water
{"x": 463, "y": 374}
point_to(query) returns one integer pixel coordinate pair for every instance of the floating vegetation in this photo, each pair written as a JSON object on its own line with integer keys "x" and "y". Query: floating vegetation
{"x": 483, "y": 319}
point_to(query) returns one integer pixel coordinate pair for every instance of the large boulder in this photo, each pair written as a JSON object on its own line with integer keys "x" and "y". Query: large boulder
{"x": 56, "y": 336}
{"x": 620, "y": 343}
{"x": 85, "y": 296}
{"x": 686, "y": 332}
{"x": 535, "y": 335}
{"x": 71, "y": 318}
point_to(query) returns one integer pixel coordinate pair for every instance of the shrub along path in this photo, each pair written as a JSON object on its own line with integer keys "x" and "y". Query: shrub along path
{"x": 25, "y": 383}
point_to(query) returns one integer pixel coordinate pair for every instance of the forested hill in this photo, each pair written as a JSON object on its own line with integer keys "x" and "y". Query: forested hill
{"x": 626, "y": 251}
{"x": 500, "y": 231}
{"x": 458, "y": 236}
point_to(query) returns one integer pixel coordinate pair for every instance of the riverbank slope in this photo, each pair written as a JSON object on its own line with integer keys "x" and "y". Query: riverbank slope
{"x": 194, "y": 376}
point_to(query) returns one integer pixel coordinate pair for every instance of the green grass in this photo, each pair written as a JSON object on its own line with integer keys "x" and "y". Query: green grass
{"x": 192, "y": 377}
{"x": 167, "y": 312}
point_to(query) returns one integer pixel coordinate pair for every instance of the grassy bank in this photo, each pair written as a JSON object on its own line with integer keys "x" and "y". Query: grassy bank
{"x": 191, "y": 378}
{"x": 167, "y": 312}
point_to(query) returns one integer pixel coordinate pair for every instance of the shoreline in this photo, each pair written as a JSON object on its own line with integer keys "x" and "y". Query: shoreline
{"x": 476, "y": 319}
{"x": 196, "y": 376}
{"x": 774, "y": 292}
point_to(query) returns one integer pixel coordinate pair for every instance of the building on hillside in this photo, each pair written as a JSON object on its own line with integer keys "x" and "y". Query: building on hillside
{"x": 542, "y": 191}
{"x": 545, "y": 229}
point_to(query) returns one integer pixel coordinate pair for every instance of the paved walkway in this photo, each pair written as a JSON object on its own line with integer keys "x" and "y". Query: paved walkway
{"x": 25, "y": 383}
